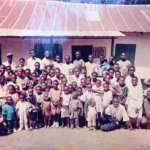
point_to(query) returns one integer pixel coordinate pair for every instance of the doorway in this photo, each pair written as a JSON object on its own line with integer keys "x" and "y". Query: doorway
{"x": 85, "y": 51}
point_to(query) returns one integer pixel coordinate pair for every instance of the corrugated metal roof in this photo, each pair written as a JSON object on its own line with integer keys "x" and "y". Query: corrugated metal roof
{"x": 53, "y": 18}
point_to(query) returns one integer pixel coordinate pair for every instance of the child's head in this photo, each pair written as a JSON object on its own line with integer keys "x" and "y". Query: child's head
{"x": 64, "y": 81}
{"x": 30, "y": 92}
{"x": 55, "y": 84}
{"x": 115, "y": 101}
{"x": 76, "y": 71}
{"x": 57, "y": 72}
{"x": 90, "y": 58}
{"x": 117, "y": 75}
{"x": 48, "y": 69}
{"x": 61, "y": 76}
{"x": 98, "y": 83}
{"x": 45, "y": 97}
{"x": 57, "y": 58}
{"x": 70, "y": 88}
{"x": 43, "y": 86}
{"x": 8, "y": 68}
{"x": 24, "y": 93}
{"x": 10, "y": 74}
{"x": 71, "y": 71}
{"x": 116, "y": 67}
{"x": 79, "y": 91}
{"x": 107, "y": 78}
{"x": 37, "y": 66}
{"x": 47, "y": 89}
{"x": 89, "y": 87}
{"x": 148, "y": 95}
{"x": 94, "y": 75}
{"x": 42, "y": 79}
{"x": 2, "y": 69}
{"x": 83, "y": 72}
{"x": 13, "y": 78}
{"x": 21, "y": 61}
{"x": 38, "y": 89}
{"x": 122, "y": 81}
{"x": 131, "y": 71}
{"x": 17, "y": 89}
{"x": 92, "y": 103}
{"x": 111, "y": 58}
{"x": 11, "y": 89}
{"x": 49, "y": 83}
{"x": 9, "y": 100}
{"x": 106, "y": 87}
{"x": 34, "y": 77}
{"x": 2, "y": 79}
{"x": 27, "y": 72}
{"x": 134, "y": 81}
{"x": 83, "y": 82}
{"x": 66, "y": 90}
{"x": 111, "y": 72}
{"x": 52, "y": 73}
{"x": 21, "y": 97}
{"x": 104, "y": 73}
{"x": 88, "y": 80}
{"x": 74, "y": 85}
{"x": 74, "y": 95}
{"x": 44, "y": 74}
{"x": 78, "y": 54}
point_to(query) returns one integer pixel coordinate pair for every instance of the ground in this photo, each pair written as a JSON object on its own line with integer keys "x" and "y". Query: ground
{"x": 66, "y": 139}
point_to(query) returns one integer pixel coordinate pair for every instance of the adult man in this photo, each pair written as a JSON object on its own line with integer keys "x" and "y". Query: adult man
{"x": 9, "y": 61}
{"x": 90, "y": 66}
{"x": 111, "y": 61}
{"x": 124, "y": 65}
{"x": 102, "y": 66}
{"x": 67, "y": 65}
{"x": 31, "y": 61}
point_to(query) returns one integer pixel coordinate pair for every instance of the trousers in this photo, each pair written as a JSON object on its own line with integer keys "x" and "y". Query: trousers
{"x": 23, "y": 118}
{"x": 11, "y": 124}
{"x": 76, "y": 122}
{"x": 108, "y": 123}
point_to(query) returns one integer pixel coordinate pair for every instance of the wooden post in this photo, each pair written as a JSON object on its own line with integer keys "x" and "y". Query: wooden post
{"x": 112, "y": 46}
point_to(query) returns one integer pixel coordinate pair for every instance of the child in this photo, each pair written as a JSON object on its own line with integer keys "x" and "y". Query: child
{"x": 44, "y": 74}
{"x": 58, "y": 64}
{"x": 43, "y": 86}
{"x": 117, "y": 75}
{"x": 113, "y": 114}
{"x": 94, "y": 78}
{"x": 55, "y": 97}
{"x": 22, "y": 112}
{"x": 22, "y": 62}
{"x": 17, "y": 89}
{"x": 83, "y": 84}
{"x": 34, "y": 79}
{"x": 65, "y": 106}
{"x": 74, "y": 110}
{"x": 49, "y": 83}
{"x": 111, "y": 73}
{"x": 70, "y": 77}
{"x": 46, "y": 110}
{"x": 57, "y": 73}
{"x": 91, "y": 115}
{"x": 2, "y": 69}
{"x": 28, "y": 74}
{"x": 39, "y": 99}
{"x": 63, "y": 83}
{"x": 88, "y": 80}
{"x": 37, "y": 70}
{"x": 74, "y": 85}
{"x": 83, "y": 72}
{"x": 9, "y": 112}
{"x": 48, "y": 69}
{"x": 70, "y": 88}
{"x": 107, "y": 80}
{"x": 52, "y": 74}
{"x": 47, "y": 89}
{"x": 3, "y": 87}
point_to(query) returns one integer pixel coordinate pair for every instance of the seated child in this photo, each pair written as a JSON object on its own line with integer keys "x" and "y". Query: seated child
{"x": 65, "y": 106}
{"x": 113, "y": 115}
{"x": 9, "y": 112}
{"x": 22, "y": 112}
{"x": 74, "y": 110}
{"x": 91, "y": 115}
{"x": 46, "y": 110}
{"x": 55, "y": 97}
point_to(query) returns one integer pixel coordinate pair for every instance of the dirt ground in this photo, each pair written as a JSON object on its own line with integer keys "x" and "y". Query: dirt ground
{"x": 66, "y": 139}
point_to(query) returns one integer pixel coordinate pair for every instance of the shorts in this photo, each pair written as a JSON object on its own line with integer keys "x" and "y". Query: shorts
{"x": 64, "y": 113}
{"x": 47, "y": 118}
{"x": 55, "y": 109}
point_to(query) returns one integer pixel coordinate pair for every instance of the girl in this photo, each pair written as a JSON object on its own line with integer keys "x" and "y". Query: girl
{"x": 46, "y": 110}
{"x": 65, "y": 106}
{"x": 9, "y": 112}
{"x": 91, "y": 115}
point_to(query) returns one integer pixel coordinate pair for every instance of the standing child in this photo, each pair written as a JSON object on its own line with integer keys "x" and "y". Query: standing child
{"x": 55, "y": 97}
{"x": 9, "y": 112}
{"x": 74, "y": 110}
{"x": 46, "y": 110}
{"x": 91, "y": 115}
{"x": 22, "y": 112}
{"x": 65, "y": 106}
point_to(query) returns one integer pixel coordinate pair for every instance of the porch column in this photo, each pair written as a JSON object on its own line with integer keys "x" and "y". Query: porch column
{"x": 112, "y": 46}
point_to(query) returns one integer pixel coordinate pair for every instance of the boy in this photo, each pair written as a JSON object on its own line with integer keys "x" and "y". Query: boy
{"x": 78, "y": 62}
{"x": 116, "y": 67}
{"x": 113, "y": 114}
{"x": 90, "y": 66}
{"x": 83, "y": 84}
{"x": 94, "y": 78}
{"x": 55, "y": 97}
{"x": 117, "y": 76}
{"x": 2, "y": 69}
{"x": 28, "y": 74}
{"x": 22, "y": 62}
{"x": 37, "y": 69}
{"x": 135, "y": 100}
{"x": 111, "y": 73}
{"x": 74, "y": 85}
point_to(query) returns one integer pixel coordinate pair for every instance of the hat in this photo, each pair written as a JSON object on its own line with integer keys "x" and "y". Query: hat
{"x": 9, "y": 54}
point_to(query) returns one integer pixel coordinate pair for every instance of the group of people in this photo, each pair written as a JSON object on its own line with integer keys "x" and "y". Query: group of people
{"x": 48, "y": 93}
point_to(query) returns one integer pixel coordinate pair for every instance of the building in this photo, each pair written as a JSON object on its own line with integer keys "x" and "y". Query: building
{"x": 65, "y": 27}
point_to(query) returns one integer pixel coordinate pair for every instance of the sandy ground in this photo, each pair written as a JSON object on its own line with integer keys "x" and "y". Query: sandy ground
{"x": 66, "y": 139}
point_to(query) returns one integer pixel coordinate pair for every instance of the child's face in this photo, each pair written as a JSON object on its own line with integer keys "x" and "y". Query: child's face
{"x": 27, "y": 73}
{"x": 49, "y": 82}
{"x": 115, "y": 102}
{"x": 43, "y": 86}
{"x": 30, "y": 92}
{"x": 52, "y": 73}
{"x": 111, "y": 73}
{"x": 21, "y": 63}
{"x": 76, "y": 72}
{"x": 92, "y": 103}
{"x": 79, "y": 91}
{"x": 74, "y": 95}
{"x": 106, "y": 87}
{"x": 55, "y": 85}
{"x": 78, "y": 55}
{"x": 37, "y": 66}
{"x": 103, "y": 75}
{"x": 107, "y": 79}
{"x": 116, "y": 68}
{"x": 57, "y": 59}
{"x": 10, "y": 74}
{"x": 70, "y": 88}
{"x": 117, "y": 75}
{"x": 74, "y": 85}
{"x": 61, "y": 76}
{"x": 94, "y": 75}
{"x": 21, "y": 97}
{"x": 88, "y": 80}
{"x": 38, "y": 90}
{"x": 131, "y": 71}
{"x": 2, "y": 80}
{"x": 42, "y": 80}
{"x": 121, "y": 81}
{"x": 48, "y": 69}
{"x": 83, "y": 83}
{"x": 46, "y": 90}
{"x": 46, "y": 97}
{"x": 89, "y": 88}
{"x": 8, "y": 69}
{"x": 13, "y": 78}
{"x": 90, "y": 58}
{"x": 64, "y": 81}
{"x": 83, "y": 72}
{"x": 57, "y": 72}
{"x": 66, "y": 90}
{"x": 44, "y": 74}
{"x": 34, "y": 77}
{"x": 17, "y": 89}
{"x": 134, "y": 81}
{"x": 24, "y": 92}
{"x": 2, "y": 70}
{"x": 11, "y": 90}
{"x": 9, "y": 100}
{"x": 98, "y": 83}
{"x": 71, "y": 72}
{"x": 148, "y": 95}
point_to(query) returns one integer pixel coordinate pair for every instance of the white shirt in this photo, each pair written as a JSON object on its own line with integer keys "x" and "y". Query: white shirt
{"x": 22, "y": 106}
{"x": 3, "y": 91}
{"x": 78, "y": 80}
{"x": 66, "y": 67}
{"x": 13, "y": 65}
{"x": 135, "y": 97}
{"x": 39, "y": 98}
{"x": 11, "y": 83}
{"x": 58, "y": 65}
{"x": 31, "y": 62}
{"x": 120, "y": 112}
{"x": 88, "y": 95}
{"x": 65, "y": 99}
{"x": 44, "y": 62}
{"x": 90, "y": 67}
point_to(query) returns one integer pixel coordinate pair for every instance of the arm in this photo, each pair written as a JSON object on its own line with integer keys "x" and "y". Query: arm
{"x": 147, "y": 83}
{"x": 87, "y": 113}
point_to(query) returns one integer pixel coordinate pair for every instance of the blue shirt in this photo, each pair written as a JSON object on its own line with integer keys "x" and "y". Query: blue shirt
{"x": 102, "y": 67}
{"x": 9, "y": 111}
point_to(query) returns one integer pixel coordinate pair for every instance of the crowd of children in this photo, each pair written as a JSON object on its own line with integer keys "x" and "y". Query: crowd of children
{"x": 46, "y": 93}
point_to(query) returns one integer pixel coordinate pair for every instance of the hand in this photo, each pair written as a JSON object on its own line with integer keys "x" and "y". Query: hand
{"x": 136, "y": 110}
{"x": 126, "y": 106}
{"x": 69, "y": 112}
